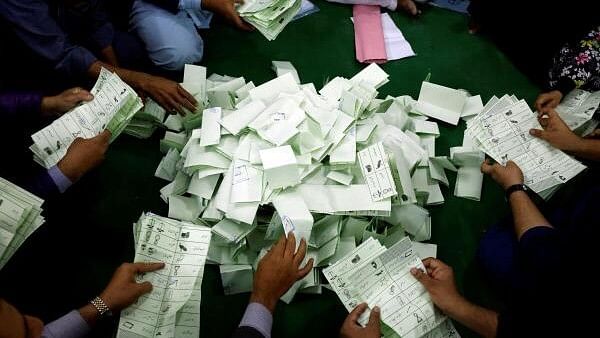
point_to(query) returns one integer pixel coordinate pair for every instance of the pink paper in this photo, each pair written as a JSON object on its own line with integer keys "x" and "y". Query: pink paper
{"x": 368, "y": 34}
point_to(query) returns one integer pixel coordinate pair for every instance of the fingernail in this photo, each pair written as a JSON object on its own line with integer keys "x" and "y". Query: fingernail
{"x": 376, "y": 309}
{"x": 413, "y": 271}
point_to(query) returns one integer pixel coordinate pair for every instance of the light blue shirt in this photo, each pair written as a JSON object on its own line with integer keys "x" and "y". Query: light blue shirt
{"x": 194, "y": 9}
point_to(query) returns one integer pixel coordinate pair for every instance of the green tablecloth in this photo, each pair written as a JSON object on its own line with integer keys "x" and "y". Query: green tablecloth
{"x": 89, "y": 233}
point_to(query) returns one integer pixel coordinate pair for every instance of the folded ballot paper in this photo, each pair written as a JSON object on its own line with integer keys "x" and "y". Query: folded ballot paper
{"x": 337, "y": 166}
{"x": 269, "y": 16}
{"x": 172, "y": 309}
{"x": 20, "y": 216}
{"x": 578, "y": 108}
{"x": 113, "y": 106}
{"x": 380, "y": 276}
{"x": 501, "y": 130}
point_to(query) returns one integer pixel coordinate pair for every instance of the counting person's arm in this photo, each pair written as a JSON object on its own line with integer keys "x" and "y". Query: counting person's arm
{"x": 526, "y": 215}
{"x": 122, "y": 291}
{"x": 275, "y": 275}
{"x": 557, "y": 133}
{"x": 438, "y": 279}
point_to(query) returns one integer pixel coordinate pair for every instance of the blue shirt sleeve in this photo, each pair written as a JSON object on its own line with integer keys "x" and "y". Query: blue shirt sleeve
{"x": 31, "y": 21}
{"x": 258, "y": 317}
{"x": 70, "y": 325}
{"x": 541, "y": 251}
{"x": 61, "y": 181}
{"x": 190, "y": 4}
{"x": 20, "y": 107}
{"x": 104, "y": 32}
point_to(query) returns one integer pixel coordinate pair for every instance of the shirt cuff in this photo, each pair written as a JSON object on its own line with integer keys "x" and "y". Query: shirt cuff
{"x": 104, "y": 36}
{"x": 70, "y": 325}
{"x": 190, "y": 4}
{"x": 62, "y": 182}
{"x": 391, "y": 4}
{"x": 258, "y": 317}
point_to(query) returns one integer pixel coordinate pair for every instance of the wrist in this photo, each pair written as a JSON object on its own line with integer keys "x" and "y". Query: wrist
{"x": 268, "y": 301}
{"x": 579, "y": 144}
{"x": 47, "y": 105}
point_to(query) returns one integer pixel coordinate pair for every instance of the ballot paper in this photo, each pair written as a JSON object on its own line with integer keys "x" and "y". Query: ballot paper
{"x": 442, "y": 103}
{"x": 113, "y": 106}
{"x": 269, "y": 17}
{"x": 20, "y": 216}
{"x": 383, "y": 279}
{"x": 396, "y": 45}
{"x": 375, "y": 167}
{"x": 368, "y": 34}
{"x": 164, "y": 312}
{"x": 577, "y": 109}
{"x": 502, "y": 132}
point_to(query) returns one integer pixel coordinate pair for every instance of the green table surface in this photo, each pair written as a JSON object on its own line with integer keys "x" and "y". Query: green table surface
{"x": 89, "y": 229}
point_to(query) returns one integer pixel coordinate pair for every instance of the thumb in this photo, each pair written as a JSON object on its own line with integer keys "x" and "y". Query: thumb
{"x": 538, "y": 133}
{"x": 84, "y": 95}
{"x": 375, "y": 318}
{"x": 422, "y": 277}
{"x": 104, "y": 136}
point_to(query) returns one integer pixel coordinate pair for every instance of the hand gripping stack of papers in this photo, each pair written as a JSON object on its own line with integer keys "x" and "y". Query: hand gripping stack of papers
{"x": 381, "y": 277}
{"x": 335, "y": 166}
{"x": 501, "y": 130}
{"x": 113, "y": 106}
{"x": 269, "y": 16}
{"x": 20, "y": 216}
{"x": 172, "y": 309}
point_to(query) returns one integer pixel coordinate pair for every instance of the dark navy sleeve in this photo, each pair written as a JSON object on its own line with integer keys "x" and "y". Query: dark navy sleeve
{"x": 31, "y": 21}
{"x": 20, "y": 107}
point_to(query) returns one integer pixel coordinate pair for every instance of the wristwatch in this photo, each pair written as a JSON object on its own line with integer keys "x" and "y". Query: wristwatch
{"x": 101, "y": 307}
{"x": 513, "y": 188}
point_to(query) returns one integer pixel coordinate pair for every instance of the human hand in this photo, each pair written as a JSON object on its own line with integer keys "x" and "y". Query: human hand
{"x": 556, "y": 132}
{"x": 169, "y": 94}
{"x": 83, "y": 155}
{"x": 63, "y": 102}
{"x": 548, "y": 100}
{"x": 409, "y": 7}
{"x": 505, "y": 176}
{"x": 279, "y": 270}
{"x": 123, "y": 290}
{"x": 226, "y": 9}
{"x": 352, "y": 329}
{"x": 438, "y": 280}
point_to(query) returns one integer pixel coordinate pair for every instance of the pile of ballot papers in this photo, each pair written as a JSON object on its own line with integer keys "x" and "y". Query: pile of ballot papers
{"x": 172, "y": 309}
{"x": 269, "y": 16}
{"x": 113, "y": 106}
{"x": 338, "y": 166}
{"x": 501, "y": 130}
{"x": 20, "y": 216}
{"x": 145, "y": 122}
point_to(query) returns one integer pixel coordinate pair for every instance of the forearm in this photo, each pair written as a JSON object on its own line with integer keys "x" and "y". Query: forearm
{"x": 133, "y": 78}
{"x": 479, "y": 319}
{"x": 109, "y": 56}
{"x": 89, "y": 314}
{"x": 588, "y": 149}
{"x": 526, "y": 215}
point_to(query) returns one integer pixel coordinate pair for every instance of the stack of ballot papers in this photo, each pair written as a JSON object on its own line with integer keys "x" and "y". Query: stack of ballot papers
{"x": 337, "y": 166}
{"x": 113, "y": 106}
{"x": 269, "y": 16}
{"x": 377, "y": 38}
{"x": 20, "y": 216}
{"x": 172, "y": 309}
{"x": 146, "y": 121}
{"x": 381, "y": 277}
{"x": 501, "y": 130}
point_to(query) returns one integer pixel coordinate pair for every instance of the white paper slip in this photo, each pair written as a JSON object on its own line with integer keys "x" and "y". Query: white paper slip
{"x": 396, "y": 46}
{"x": 442, "y": 103}
{"x": 295, "y": 216}
{"x": 375, "y": 167}
{"x": 211, "y": 129}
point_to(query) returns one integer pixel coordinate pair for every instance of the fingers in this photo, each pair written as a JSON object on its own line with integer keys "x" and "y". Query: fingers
{"x": 143, "y": 288}
{"x": 487, "y": 168}
{"x": 186, "y": 99}
{"x": 358, "y": 310}
{"x": 541, "y": 101}
{"x": 375, "y": 318}
{"x": 81, "y": 94}
{"x": 306, "y": 269}
{"x": 299, "y": 256}
{"x": 279, "y": 247}
{"x": 290, "y": 245}
{"x": 421, "y": 276}
{"x": 104, "y": 136}
{"x": 537, "y": 133}
{"x": 147, "y": 267}
{"x": 241, "y": 24}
